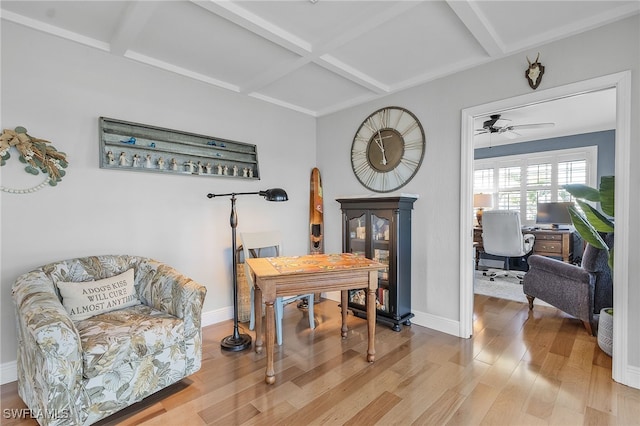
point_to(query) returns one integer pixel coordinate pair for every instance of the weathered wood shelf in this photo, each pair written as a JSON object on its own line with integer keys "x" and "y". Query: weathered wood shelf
{"x": 139, "y": 147}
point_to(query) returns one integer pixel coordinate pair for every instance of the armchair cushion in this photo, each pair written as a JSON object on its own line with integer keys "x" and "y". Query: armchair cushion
{"x": 125, "y": 337}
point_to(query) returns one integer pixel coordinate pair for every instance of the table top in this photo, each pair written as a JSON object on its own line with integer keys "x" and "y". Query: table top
{"x": 310, "y": 264}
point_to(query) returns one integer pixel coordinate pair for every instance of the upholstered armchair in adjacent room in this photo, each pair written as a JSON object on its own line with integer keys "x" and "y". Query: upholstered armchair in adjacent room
{"x": 581, "y": 291}
{"x": 78, "y": 367}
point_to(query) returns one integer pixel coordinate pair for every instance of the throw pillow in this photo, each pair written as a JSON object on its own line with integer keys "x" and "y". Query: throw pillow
{"x": 86, "y": 299}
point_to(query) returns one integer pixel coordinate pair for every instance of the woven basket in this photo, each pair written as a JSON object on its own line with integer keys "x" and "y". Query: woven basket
{"x": 244, "y": 295}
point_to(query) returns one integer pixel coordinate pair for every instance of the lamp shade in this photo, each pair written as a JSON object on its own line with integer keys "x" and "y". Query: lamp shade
{"x": 482, "y": 200}
{"x": 275, "y": 194}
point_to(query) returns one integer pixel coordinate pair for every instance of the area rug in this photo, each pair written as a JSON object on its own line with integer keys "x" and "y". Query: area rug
{"x": 503, "y": 287}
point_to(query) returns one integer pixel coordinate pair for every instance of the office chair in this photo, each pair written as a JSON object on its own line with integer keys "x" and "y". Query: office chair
{"x": 252, "y": 242}
{"x": 502, "y": 236}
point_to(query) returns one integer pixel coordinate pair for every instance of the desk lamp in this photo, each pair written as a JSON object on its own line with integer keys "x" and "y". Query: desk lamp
{"x": 481, "y": 201}
{"x": 236, "y": 341}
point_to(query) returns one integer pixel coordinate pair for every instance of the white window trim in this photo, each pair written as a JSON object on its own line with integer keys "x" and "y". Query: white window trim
{"x": 588, "y": 153}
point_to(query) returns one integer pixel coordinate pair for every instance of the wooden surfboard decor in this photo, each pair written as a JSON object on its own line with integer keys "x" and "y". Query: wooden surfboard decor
{"x": 316, "y": 218}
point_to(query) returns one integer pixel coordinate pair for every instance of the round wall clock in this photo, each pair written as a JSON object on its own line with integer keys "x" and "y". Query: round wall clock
{"x": 387, "y": 149}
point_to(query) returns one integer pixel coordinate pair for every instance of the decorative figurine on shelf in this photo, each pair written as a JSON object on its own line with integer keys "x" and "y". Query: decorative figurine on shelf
{"x": 250, "y": 172}
{"x": 189, "y": 166}
{"x": 160, "y": 163}
{"x": 219, "y": 166}
{"x": 110, "y": 158}
{"x": 225, "y": 170}
{"x": 130, "y": 141}
{"x": 136, "y": 160}
{"x": 208, "y": 167}
{"x": 152, "y": 145}
{"x": 122, "y": 160}
{"x": 200, "y": 169}
{"x": 245, "y": 172}
{"x": 147, "y": 161}
{"x": 174, "y": 164}
{"x": 235, "y": 170}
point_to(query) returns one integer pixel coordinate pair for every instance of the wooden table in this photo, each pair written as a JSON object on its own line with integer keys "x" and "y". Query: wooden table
{"x": 288, "y": 276}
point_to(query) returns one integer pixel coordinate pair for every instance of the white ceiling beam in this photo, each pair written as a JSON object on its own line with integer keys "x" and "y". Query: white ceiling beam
{"x": 275, "y": 73}
{"x": 179, "y": 70}
{"x": 257, "y": 25}
{"x": 478, "y": 25}
{"x": 52, "y": 29}
{"x": 576, "y": 27}
{"x": 338, "y": 67}
{"x": 368, "y": 24}
{"x": 135, "y": 17}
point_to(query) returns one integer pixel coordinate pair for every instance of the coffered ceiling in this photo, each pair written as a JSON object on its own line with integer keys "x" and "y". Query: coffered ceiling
{"x": 316, "y": 57}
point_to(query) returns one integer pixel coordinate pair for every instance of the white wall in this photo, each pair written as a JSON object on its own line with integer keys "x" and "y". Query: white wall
{"x": 57, "y": 90}
{"x": 438, "y": 105}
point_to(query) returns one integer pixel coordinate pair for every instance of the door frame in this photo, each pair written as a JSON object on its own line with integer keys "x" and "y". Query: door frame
{"x": 622, "y": 83}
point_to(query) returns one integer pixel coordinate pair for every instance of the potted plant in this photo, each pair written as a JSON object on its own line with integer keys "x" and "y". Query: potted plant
{"x": 590, "y": 224}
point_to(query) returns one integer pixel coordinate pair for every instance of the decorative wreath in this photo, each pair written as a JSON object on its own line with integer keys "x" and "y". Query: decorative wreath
{"x": 37, "y": 154}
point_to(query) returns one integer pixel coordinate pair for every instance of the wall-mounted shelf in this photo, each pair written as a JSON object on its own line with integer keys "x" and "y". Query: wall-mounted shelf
{"x": 138, "y": 147}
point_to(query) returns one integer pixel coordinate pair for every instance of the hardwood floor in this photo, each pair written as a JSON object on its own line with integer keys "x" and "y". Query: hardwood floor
{"x": 520, "y": 368}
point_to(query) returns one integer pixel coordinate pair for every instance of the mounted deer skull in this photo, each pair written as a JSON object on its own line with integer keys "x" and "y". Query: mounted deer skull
{"x": 534, "y": 72}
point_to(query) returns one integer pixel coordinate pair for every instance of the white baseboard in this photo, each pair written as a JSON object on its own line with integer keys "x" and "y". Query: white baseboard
{"x": 8, "y": 372}
{"x": 219, "y": 315}
{"x": 633, "y": 377}
{"x": 436, "y": 323}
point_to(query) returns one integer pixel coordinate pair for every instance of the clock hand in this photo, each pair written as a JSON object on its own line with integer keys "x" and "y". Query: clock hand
{"x": 381, "y": 145}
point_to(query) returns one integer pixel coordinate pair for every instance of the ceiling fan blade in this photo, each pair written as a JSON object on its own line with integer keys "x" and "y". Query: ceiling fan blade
{"x": 532, "y": 126}
{"x": 512, "y": 134}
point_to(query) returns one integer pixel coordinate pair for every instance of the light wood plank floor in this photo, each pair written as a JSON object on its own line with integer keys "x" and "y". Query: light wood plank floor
{"x": 520, "y": 368}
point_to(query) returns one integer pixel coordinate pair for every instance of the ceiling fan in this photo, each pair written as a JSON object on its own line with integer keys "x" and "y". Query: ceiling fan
{"x": 497, "y": 124}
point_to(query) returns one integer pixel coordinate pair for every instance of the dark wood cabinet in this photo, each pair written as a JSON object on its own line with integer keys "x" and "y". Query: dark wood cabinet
{"x": 380, "y": 229}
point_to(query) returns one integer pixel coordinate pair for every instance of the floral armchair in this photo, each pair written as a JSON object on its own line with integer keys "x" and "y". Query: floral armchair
{"x": 80, "y": 371}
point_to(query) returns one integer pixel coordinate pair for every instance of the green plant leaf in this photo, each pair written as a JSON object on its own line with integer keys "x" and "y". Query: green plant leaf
{"x": 607, "y": 194}
{"x": 585, "y": 192}
{"x": 586, "y": 231}
{"x": 597, "y": 220}
{"x": 22, "y": 159}
{"x": 20, "y": 129}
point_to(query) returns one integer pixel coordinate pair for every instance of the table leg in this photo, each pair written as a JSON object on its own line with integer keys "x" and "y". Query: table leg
{"x": 270, "y": 376}
{"x": 344, "y": 300}
{"x": 257, "y": 309}
{"x": 371, "y": 316}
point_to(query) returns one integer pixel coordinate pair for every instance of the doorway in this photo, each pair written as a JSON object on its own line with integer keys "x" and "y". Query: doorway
{"x": 622, "y": 84}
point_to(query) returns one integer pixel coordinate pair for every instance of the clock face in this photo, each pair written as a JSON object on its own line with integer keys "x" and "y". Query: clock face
{"x": 387, "y": 149}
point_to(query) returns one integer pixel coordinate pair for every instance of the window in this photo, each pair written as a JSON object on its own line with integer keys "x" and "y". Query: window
{"x": 519, "y": 182}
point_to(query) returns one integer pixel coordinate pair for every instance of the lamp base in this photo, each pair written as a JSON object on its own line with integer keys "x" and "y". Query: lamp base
{"x": 233, "y": 343}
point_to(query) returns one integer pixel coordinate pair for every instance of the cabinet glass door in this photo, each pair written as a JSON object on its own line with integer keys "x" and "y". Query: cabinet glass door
{"x": 358, "y": 235}
{"x": 380, "y": 243}
{"x": 358, "y": 246}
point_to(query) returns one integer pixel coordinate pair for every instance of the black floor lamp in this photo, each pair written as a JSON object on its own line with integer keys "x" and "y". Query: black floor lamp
{"x": 237, "y": 341}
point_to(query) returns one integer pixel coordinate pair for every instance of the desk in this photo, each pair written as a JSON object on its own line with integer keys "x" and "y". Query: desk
{"x": 548, "y": 242}
{"x": 288, "y": 276}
